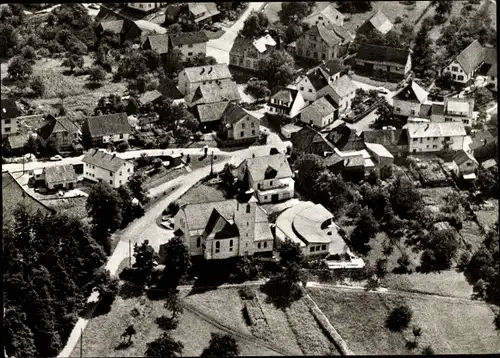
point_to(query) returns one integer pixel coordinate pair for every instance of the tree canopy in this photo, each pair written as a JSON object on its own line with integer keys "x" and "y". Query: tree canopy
{"x": 221, "y": 345}
{"x": 177, "y": 262}
{"x": 255, "y": 25}
{"x": 277, "y": 68}
{"x": 164, "y": 346}
{"x": 295, "y": 12}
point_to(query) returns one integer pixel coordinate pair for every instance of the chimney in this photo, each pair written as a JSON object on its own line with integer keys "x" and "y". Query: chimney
{"x": 202, "y": 71}
{"x": 427, "y": 126}
{"x": 114, "y": 155}
{"x": 210, "y": 71}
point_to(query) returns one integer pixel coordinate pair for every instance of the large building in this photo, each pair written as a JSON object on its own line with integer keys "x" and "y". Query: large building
{"x": 328, "y": 16}
{"x": 99, "y": 165}
{"x": 61, "y": 130}
{"x": 409, "y": 100}
{"x": 384, "y": 62}
{"x": 189, "y": 44}
{"x": 238, "y": 126}
{"x": 320, "y": 113}
{"x": 192, "y": 77}
{"x": 434, "y": 137}
{"x": 224, "y": 229}
{"x": 145, "y": 7}
{"x": 106, "y": 129}
{"x": 9, "y": 115}
{"x": 246, "y": 53}
{"x": 323, "y": 42}
{"x": 464, "y": 66}
{"x": 287, "y": 102}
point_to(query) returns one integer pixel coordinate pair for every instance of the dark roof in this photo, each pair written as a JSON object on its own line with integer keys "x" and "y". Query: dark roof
{"x": 341, "y": 135}
{"x": 114, "y": 26}
{"x": 379, "y": 22}
{"x": 490, "y": 55}
{"x": 308, "y": 140}
{"x": 60, "y": 173}
{"x": 13, "y": 194}
{"x": 412, "y": 93}
{"x": 481, "y": 138}
{"x": 437, "y": 109}
{"x": 354, "y": 161}
{"x": 385, "y": 54}
{"x": 158, "y": 43}
{"x": 56, "y": 125}
{"x": 260, "y": 167}
{"x": 169, "y": 89}
{"x": 332, "y": 159}
{"x": 386, "y": 138}
{"x": 108, "y": 14}
{"x": 218, "y": 225}
{"x": 317, "y": 79}
{"x": 150, "y": 96}
{"x": 211, "y": 111}
{"x": 326, "y": 33}
{"x": 103, "y": 160}
{"x": 108, "y": 124}
{"x": 189, "y": 38}
{"x": 333, "y": 66}
{"x": 462, "y": 157}
{"x": 214, "y": 92}
{"x": 471, "y": 57}
{"x": 172, "y": 10}
{"x": 9, "y": 109}
{"x": 234, "y": 113}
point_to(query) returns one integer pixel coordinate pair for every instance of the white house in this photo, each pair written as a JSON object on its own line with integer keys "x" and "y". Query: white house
{"x": 9, "y": 115}
{"x": 269, "y": 176}
{"x": 238, "y": 125}
{"x": 464, "y": 66}
{"x": 145, "y": 6}
{"x": 192, "y": 77}
{"x": 328, "y": 16}
{"x": 247, "y": 53}
{"x": 287, "y": 102}
{"x": 109, "y": 128}
{"x": 408, "y": 101}
{"x": 224, "y": 229}
{"x": 342, "y": 91}
{"x": 320, "y": 113}
{"x": 464, "y": 165}
{"x": 454, "y": 110}
{"x": 99, "y": 165}
{"x": 433, "y": 137}
{"x": 311, "y": 83}
{"x": 189, "y": 43}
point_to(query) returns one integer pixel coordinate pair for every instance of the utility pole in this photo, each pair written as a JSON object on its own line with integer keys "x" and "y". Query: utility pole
{"x": 81, "y": 342}
{"x": 129, "y": 253}
{"x": 212, "y": 164}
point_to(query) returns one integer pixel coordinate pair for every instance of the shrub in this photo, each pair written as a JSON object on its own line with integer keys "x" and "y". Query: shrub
{"x": 97, "y": 74}
{"x": 122, "y": 147}
{"x": 38, "y": 86}
{"x": 197, "y": 136}
{"x": 399, "y": 318}
{"x": 167, "y": 323}
{"x": 247, "y": 293}
{"x": 127, "y": 274}
{"x": 173, "y": 208}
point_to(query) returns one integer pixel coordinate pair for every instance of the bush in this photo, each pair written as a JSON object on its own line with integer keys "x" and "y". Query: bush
{"x": 247, "y": 293}
{"x": 97, "y": 74}
{"x": 167, "y": 323}
{"x": 38, "y": 86}
{"x": 173, "y": 208}
{"x": 127, "y": 274}
{"x": 399, "y": 318}
{"x": 197, "y": 136}
{"x": 122, "y": 147}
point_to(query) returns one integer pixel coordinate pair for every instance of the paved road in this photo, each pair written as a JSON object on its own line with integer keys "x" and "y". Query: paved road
{"x": 219, "y": 48}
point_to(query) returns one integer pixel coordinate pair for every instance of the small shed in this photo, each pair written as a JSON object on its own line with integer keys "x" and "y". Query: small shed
{"x": 290, "y": 129}
{"x": 464, "y": 164}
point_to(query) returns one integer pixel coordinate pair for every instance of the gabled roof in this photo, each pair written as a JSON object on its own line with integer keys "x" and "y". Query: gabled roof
{"x": 435, "y": 129}
{"x": 114, "y": 26}
{"x": 210, "y": 9}
{"x": 108, "y": 124}
{"x": 169, "y": 89}
{"x": 219, "y": 225}
{"x": 103, "y": 160}
{"x": 258, "y": 166}
{"x": 207, "y": 73}
{"x": 213, "y": 92}
{"x": 331, "y": 34}
{"x": 341, "y": 135}
{"x": 286, "y": 95}
{"x": 318, "y": 81}
{"x": 188, "y": 38}
{"x": 380, "y": 22}
{"x": 385, "y": 54}
{"x": 159, "y": 43}
{"x": 150, "y": 96}
{"x": 263, "y": 42}
{"x": 9, "y": 109}
{"x": 234, "y": 113}
{"x": 343, "y": 86}
{"x": 56, "y": 125}
{"x": 462, "y": 105}
{"x": 481, "y": 138}
{"x": 412, "y": 93}
{"x": 425, "y": 111}
{"x": 329, "y": 12}
{"x": 387, "y": 138}
{"x": 308, "y": 140}
{"x": 18, "y": 141}
{"x": 437, "y": 109}
{"x": 318, "y": 109}
{"x": 333, "y": 67}
{"x": 240, "y": 44}
{"x": 471, "y": 57}
{"x": 354, "y": 161}
{"x": 492, "y": 71}
{"x": 59, "y": 173}
{"x": 490, "y": 55}
{"x": 378, "y": 149}
{"x": 462, "y": 156}
{"x": 211, "y": 111}
{"x": 145, "y": 25}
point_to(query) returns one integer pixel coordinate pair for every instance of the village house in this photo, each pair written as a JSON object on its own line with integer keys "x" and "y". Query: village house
{"x": 246, "y": 53}
{"x": 287, "y": 102}
{"x": 489, "y": 68}
{"x": 61, "y": 130}
{"x": 344, "y": 138}
{"x": 172, "y": 13}
{"x": 464, "y": 66}
{"x": 210, "y": 115}
{"x": 212, "y": 93}
{"x": 198, "y": 13}
{"x": 434, "y": 137}
{"x": 377, "y": 23}
{"x": 484, "y": 145}
{"x": 145, "y": 7}
{"x": 320, "y": 113}
{"x": 99, "y": 165}
{"x": 323, "y": 42}
{"x": 106, "y": 129}
{"x": 343, "y": 92}
{"x": 110, "y": 21}
{"x": 269, "y": 176}
{"x": 152, "y": 98}
{"x": 382, "y": 157}
{"x": 328, "y": 16}
{"x": 59, "y": 177}
{"x": 14, "y": 145}
{"x": 192, "y": 77}
{"x": 454, "y": 110}
{"x": 189, "y": 44}
{"x": 238, "y": 126}
{"x": 9, "y": 116}
{"x": 464, "y": 165}
{"x": 309, "y": 140}
{"x": 158, "y": 43}
{"x": 394, "y": 140}
{"x": 408, "y": 101}
{"x": 385, "y": 62}
{"x": 288, "y": 130}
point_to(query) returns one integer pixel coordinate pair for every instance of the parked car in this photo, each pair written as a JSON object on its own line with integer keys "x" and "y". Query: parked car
{"x": 56, "y": 158}
{"x": 382, "y": 90}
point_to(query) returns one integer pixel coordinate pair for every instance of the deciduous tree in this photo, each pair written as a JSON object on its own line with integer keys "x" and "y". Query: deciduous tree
{"x": 97, "y": 74}
{"x": 164, "y": 346}
{"x": 19, "y": 68}
{"x": 441, "y": 248}
{"x": 399, "y": 318}
{"x": 145, "y": 262}
{"x": 255, "y": 25}
{"x": 294, "y": 12}
{"x": 365, "y": 230}
{"x": 277, "y": 68}
{"x": 177, "y": 262}
{"x": 290, "y": 252}
{"x": 221, "y": 345}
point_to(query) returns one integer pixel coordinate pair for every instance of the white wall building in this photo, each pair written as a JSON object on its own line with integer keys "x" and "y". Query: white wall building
{"x": 433, "y": 137}
{"x": 99, "y": 165}
{"x": 191, "y": 78}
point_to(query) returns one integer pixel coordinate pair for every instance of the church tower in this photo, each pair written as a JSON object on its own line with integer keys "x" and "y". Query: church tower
{"x": 244, "y": 219}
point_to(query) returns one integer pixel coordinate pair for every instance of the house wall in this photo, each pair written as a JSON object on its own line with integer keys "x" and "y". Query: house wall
{"x": 314, "y": 47}
{"x": 492, "y": 80}
{"x": 115, "y": 179}
{"x": 406, "y": 108}
{"x": 468, "y": 167}
{"x": 65, "y": 184}
{"x": 190, "y": 50}
{"x": 190, "y": 236}
{"x": 283, "y": 194}
{"x": 318, "y": 122}
{"x": 9, "y": 126}
{"x": 433, "y": 144}
{"x": 306, "y": 250}
{"x": 263, "y": 246}
{"x": 186, "y": 87}
{"x": 307, "y": 90}
{"x": 115, "y": 138}
{"x": 468, "y": 121}
{"x": 247, "y": 127}
{"x": 457, "y": 73}
{"x": 144, "y": 6}
{"x": 249, "y": 60}
{"x": 63, "y": 139}
{"x": 297, "y": 105}
{"x": 224, "y": 251}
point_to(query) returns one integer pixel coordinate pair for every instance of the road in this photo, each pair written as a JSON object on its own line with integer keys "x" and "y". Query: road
{"x": 144, "y": 228}
{"x": 219, "y": 48}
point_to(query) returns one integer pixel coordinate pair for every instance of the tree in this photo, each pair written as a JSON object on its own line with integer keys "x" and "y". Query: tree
{"x": 441, "y": 248}
{"x": 295, "y": 12}
{"x": 443, "y": 9}
{"x": 9, "y": 40}
{"x": 97, "y": 74}
{"x": 330, "y": 190}
{"x": 255, "y": 25}
{"x": 399, "y": 318}
{"x": 107, "y": 287}
{"x": 405, "y": 199}
{"x": 487, "y": 181}
{"x": 38, "y": 86}
{"x": 283, "y": 288}
{"x": 366, "y": 228}
{"x": 52, "y": 147}
{"x": 293, "y": 32}
{"x": 173, "y": 63}
{"x": 227, "y": 177}
{"x": 482, "y": 96}
{"x": 380, "y": 269}
{"x": 309, "y": 166}
{"x": 428, "y": 351}
{"x": 164, "y": 346}
{"x": 132, "y": 106}
{"x": 173, "y": 303}
{"x": 221, "y": 345}
{"x": 177, "y": 262}
{"x": 290, "y": 252}
{"x": 496, "y": 321}
{"x": 136, "y": 185}
{"x": 173, "y": 208}
{"x": 174, "y": 29}
{"x": 257, "y": 89}
{"x": 385, "y": 116}
{"x": 19, "y": 68}
{"x": 145, "y": 262}
{"x": 277, "y": 68}
{"x": 73, "y": 61}
{"x": 423, "y": 56}
{"x": 200, "y": 59}
{"x": 29, "y": 54}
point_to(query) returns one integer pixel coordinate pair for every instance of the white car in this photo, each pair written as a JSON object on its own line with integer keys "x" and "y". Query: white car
{"x": 382, "y": 90}
{"x": 56, "y": 158}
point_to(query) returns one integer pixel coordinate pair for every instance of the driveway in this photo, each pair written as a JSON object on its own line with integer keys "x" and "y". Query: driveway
{"x": 219, "y": 48}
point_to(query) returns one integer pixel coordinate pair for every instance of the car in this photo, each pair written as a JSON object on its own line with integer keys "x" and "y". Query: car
{"x": 382, "y": 90}
{"x": 93, "y": 6}
{"x": 56, "y": 158}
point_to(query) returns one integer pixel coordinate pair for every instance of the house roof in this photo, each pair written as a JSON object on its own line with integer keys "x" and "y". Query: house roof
{"x": 490, "y": 55}
{"x": 207, "y": 73}
{"x": 210, "y": 9}
{"x": 234, "y": 113}
{"x": 492, "y": 71}
{"x": 386, "y": 138}
{"x": 437, "y": 109}
{"x": 374, "y": 53}
{"x": 471, "y": 57}
{"x": 219, "y": 225}
{"x": 150, "y": 96}
{"x": 318, "y": 81}
{"x": 18, "y": 141}
{"x": 169, "y": 89}
{"x": 214, "y": 92}
{"x": 341, "y": 135}
{"x": 103, "y": 160}
{"x": 308, "y": 140}
{"x": 333, "y": 67}
{"x": 462, "y": 156}
{"x": 285, "y": 95}
{"x": 425, "y": 111}
{"x": 354, "y": 161}
{"x": 114, "y": 26}
{"x": 59, "y": 173}
{"x": 240, "y": 44}
{"x": 188, "y": 38}
{"x": 9, "y": 109}
{"x": 489, "y": 163}
{"x": 462, "y": 105}
{"x": 331, "y": 34}
{"x": 380, "y": 22}
{"x": 332, "y": 159}
{"x": 56, "y": 125}
{"x": 435, "y": 129}
{"x": 412, "y": 93}
{"x": 159, "y": 43}
{"x": 343, "y": 86}
{"x": 13, "y": 194}
{"x": 480, "y": 138}
{"x": 108, "y": 124}
{"x": 258, "y": 166}
{"x": 211, "y": 111}
{"x": 261, "y": 43}
{"x": 150, "y": 26}
{"x": 378, "y": 149}
{"x": 318, "y": 109}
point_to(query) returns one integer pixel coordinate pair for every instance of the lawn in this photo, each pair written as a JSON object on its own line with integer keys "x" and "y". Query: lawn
{"x": 192, "y": 331}
{"x": 70, "y": 206}
{"x": 201, "y": 193}
{"x": 435, "y": 196}
{"x": 471, "y": 234}
{"x": 488, "y": 217}
{"x": 271, "y": 11}
{"x": 164, "y": 175}
{"x": 200, "y": 161}
{"x": 450, "y": 327}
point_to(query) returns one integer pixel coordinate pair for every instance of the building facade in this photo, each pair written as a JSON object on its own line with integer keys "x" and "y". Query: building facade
{"x": 323, "y": 43}
{"x": 246, "y": 53}
{"x": 191, "y": 78}
{"x": 102, "y": 166}
{"x": 434, "y": 137}
{"x": 287, "y": 102}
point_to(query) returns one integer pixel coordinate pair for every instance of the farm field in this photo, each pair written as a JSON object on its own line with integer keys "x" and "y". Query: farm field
{"x": 449, "y": 326}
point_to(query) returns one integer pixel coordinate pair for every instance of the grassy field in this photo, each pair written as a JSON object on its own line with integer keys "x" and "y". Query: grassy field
{"x": 70, "y": 206}
{"x": 488, "y": 217}
{"x": 200, "y": 161}
{"x": 450, "y": 327}
{"x": 201, "y": 193}
{"x": 102, "y": 335}
{"x": 471, "y": 234}
{"x": 163, "y": 176}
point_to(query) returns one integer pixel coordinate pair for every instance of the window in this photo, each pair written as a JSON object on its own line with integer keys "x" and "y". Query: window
{"x": 242, "y": 134}
{"x": 398, "y": 109}
{"x": 182, "y": 221}
{"x": 446, "y": 138}
{"x": 265, "y": 244}
{"x": 320, "y": 17}
{"x": 323, "y": 56}
{"x": 460, "y": 78}
{"x": 248, "y": 208}
{"x": 310, "y": 90}
{"x": 121, "y": 136}
{"x": 415, "y": 139}
{"x": 454, "y": 68}
{"x": 259, "y": 186}
{"x": 7, "y": 129}
{"x": 128, "y": 170}
{"x": 323, "y": 247}
{"x": 427, "y": 146}
{"x": 111, "y": 182}
{"x": 434, "y": 146}
{"x": 190, "y": 45}
{"x": 252, "y": 125}
{"x": 302, "y": 88}
{"x": 7, "y": 121}
{"x": 253, "y": 131}
{"x": 243, "y": 125}
{"x": 217, "y": 246}
{"x": 412, "y": 111}
{"x": 271, "y": 183}
{"x": 190, "y": 53}
{"x": 313, "y": 248}
{"x": 110, "y": 174}
{"x": 258, "y": 245}
{"x": 198, "y": 242}
{"x": 230, "y": 245}
{"x": 141, "y": 6}
{"x": 421, "y": 140}
{"x": 120, "y": 182}
{"x": 265, "y": 197}
{"x": 120, "y": 173}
